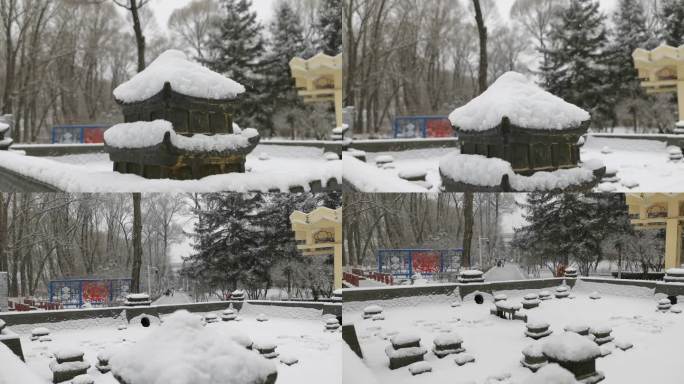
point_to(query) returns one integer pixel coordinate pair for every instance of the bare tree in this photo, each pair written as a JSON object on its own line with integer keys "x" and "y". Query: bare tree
{"x": 134, "y": 7}
{"x": 193, "y": 22}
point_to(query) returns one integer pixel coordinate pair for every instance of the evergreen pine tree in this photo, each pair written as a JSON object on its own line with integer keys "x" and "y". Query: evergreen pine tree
{"x": 578, "y": 59}
{"x": 236, "y": 50}
{"x": 287, "y": 42}
{"x": 672, "y": 15}
{"x": 330, "y": 27}
{"x": 631, "y": 32}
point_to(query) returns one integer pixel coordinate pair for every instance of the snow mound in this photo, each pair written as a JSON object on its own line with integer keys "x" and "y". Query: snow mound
{"x": 68, "y": 354}
{"x": 186, "y": 77}
{"x": 547, "y": 181}
{"x": 13, "y": 368}
{"x": 570, "y": 346}
{"x": 404, "y": 339}
{"x": 524, "y": 103}
{"x": 552, "y": 374}
{"x": 448, "y": 340}
{"x": 182, "y": 351}
{"x": 143, "y": 134}
{"x": 419, "y": 367}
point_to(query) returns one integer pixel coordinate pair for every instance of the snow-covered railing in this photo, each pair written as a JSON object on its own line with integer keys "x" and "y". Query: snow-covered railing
{"x": 20, "y": 320}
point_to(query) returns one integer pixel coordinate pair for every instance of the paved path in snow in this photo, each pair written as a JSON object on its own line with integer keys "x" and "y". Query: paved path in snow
{"x": 507, "y": 272}
{"x": 177, "y": 298}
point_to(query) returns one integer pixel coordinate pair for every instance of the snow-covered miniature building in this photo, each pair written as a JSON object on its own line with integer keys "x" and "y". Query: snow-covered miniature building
{"x": 178, "y": 123}
{"x": 517, "y": 137}
{"x": 661, "y": 70}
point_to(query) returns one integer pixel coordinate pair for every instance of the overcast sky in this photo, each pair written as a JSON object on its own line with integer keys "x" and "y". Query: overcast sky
{"x": 163, "y": 8}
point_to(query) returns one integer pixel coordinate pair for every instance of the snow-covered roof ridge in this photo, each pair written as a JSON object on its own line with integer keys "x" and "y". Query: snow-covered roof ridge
{"x": 524, "y": 103}
{"x": 144, "y": 134}
{"x": 185, "y": 77}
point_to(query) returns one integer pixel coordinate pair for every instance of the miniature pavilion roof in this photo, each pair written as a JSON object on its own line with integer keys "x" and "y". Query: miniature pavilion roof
{"x": 660, "y": 56}
{"x": 316, "y": 66}
{"x": 524, "y": 103}
{"x": 185, "y": 77}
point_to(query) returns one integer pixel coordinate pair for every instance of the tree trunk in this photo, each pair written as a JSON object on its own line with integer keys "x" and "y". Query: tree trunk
{"x": 482, "y": 32}
{"x": 139, "y": 37}
{"x": 468, "y": 228}
{"x": 137, "y": 244}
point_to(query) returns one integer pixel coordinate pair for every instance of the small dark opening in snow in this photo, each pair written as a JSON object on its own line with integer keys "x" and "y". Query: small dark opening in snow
{"x": 479, "y": 299}
{"x": 145, "y": 322}
{"x": 673, "y": 300}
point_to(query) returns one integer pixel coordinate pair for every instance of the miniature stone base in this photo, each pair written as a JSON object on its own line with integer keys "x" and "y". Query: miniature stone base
{"x": 67, "y": 371}
{"x": 538, "y": 333}
{"x": 419, "y": 368}
{"x": 585, "y": 371}
{"x": 464, "y": 359}
{"x": 533, "y": 363}
{"x": 404, "y": 356}
{"x": 180, "y": 167}
{"x": 529, "y": 304}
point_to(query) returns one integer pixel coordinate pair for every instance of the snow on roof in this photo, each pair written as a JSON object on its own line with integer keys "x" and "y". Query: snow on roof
{"x": 4, "y": 127}
{"x": 524, "y": 103}
{"x": 186, "y": 77}
{"x": 570, "y": 346}
{"x": 143, "y": 134}
{"x": 182, "y": 350}
{"x": 474, "y": 169}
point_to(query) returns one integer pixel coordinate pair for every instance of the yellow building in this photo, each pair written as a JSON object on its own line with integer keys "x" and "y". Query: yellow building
{"x": 662, "y": 71}
{"x": 660, "y": 211}
{"x": 319, "y": 79}
{"x": 319, "y": 233}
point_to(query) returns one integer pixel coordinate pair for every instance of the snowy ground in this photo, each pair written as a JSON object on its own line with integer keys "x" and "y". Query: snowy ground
{"x": 296, "y": 332}
{"x": 268, "y": 167}
{"x": 496, "y": 344}
{"x": 642, "y": 162}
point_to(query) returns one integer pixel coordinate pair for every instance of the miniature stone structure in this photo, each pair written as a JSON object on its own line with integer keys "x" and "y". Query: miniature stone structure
{"x": 517, "y": 137}
{"x": 463, "y": 359}
{"x": 331, "y": 324}
{"x": 602, "y": 334}
{"x": 5, "y": 127}
{"x": 179, "y": 119}
{"x": 137, "y": 299}
{"x": 267, "y": 350}
{"x": 261, "y": 318}
{"x": 371, "y": 311}
{"x": 238, "y": 295}
{"x": 562, "y": 291}
{"x": 533, "y": 357}
{"x": 67, "y": 365}
{"x": 576, "y": 354}
{"x": 447, "y": 344}
{"x": 530, "y": 301}
{"x": 405, "y": 350}
{"x": 664, "y": 305}
{"x": 419, "y": 368}
{"x": 500, "y": 297}
{"x": 229, "y": 315}
{"x": 537, "y": 330}
{"x": 39, "y": 332}
{"x": 571, "y": 272}
{"x": 471, "y": 276}
{"x": 507, "y": 310}
{"x": 544, "y": 295}
{"x": 674, "y": 275}
{"x": 103, "y": 361}
{"x": 594, "y": 296}
{"x": 210, "y": 318}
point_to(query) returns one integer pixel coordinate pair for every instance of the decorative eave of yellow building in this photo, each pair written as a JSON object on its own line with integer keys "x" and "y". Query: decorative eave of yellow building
{"x": 662, "y": 70}
{"x": 660, "y": 211}
{"x": 319, "y": 233}
{"x": 319, "y": 79}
